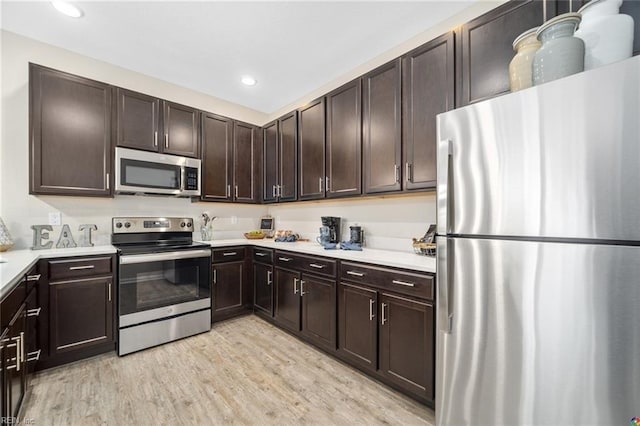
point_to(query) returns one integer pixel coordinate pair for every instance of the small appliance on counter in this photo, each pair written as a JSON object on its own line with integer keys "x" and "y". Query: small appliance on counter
{"x": 266, "y": 226}
{"x": 356, "y": 235}
{"x": 333, "y": 223}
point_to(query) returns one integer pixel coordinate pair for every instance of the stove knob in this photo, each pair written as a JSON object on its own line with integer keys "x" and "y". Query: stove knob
{"x": 182, "y": 224}
{"x": 119, "y": 225}
{"x": 127, "y": 225}
{"x": 188, "y": 224}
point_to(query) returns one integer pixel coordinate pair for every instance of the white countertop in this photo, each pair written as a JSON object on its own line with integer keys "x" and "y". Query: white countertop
{"x": 15, "y": 263}
{"x": 395, "y": 259}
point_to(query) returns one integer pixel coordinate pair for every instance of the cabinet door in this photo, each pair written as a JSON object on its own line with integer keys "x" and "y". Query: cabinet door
{"x": 245, "y": 172}
{"x": 70, "y": 118}
{"x": 80, "y": 314}
{"x": 14, "y": 384}
{"x": 357, "y": 325}
{"x": 228, "y": 286}
{"x": 311, "y": 145}
{"x": 485, "y": 48}
{"x": 263, "y": 288}
{"x": 288, "y": 158}
{"x": 427, "y": 90}
{"x": 381, "y": 127}
{"x": 407, "y": 344}
{"x": 270, "y": 163}
{"x": 319, "y": 310}
{"x": 180, "y": 130}
{"x": 344, "y": 140}
{"x": 217, "y": 152}
{"x": 138, "y": 120}
{"x": 287, "y": 298}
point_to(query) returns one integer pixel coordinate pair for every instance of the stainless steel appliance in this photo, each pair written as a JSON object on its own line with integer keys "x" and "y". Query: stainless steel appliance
{"x": 538, "y": 256}
{"x": 142, "y": 172}
{"x": 334, "y": 227}
{"x": 164, "y": 281}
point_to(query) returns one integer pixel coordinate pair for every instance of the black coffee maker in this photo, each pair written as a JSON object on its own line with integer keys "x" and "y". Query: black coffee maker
{"x": 333, "y": 223}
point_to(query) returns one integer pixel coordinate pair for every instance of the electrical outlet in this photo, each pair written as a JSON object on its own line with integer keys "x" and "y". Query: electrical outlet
{"x": 55, "y": 218}
{"x": 234, "y": 220}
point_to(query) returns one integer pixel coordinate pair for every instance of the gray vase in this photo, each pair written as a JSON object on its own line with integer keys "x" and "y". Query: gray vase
{"x": 561, "y": 54}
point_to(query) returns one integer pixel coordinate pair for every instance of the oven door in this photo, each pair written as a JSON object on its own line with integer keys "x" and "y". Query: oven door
{"x": 160, "y": 285}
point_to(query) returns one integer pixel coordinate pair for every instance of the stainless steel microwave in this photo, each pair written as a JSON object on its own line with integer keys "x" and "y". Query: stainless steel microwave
{"x": 142, "y": 172}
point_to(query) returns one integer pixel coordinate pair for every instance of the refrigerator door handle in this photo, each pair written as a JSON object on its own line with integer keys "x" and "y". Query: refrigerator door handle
{"x": 444, "y": 193}
{"x": 445, "y": 285}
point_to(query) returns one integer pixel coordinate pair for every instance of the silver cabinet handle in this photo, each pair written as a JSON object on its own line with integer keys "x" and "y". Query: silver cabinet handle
{"x": 107, "y": 178}
{"x": 295, "y": 286}
{"x": 320, "y": 184}
{"x": 302, "y": 292}
{"x": 229, "y": 253}
{"x": 403, "y": 283}
{"x": 280, "y": 190}
{"x": 355, "y": 274}
{"x": 315, "y": 265}
{"x": 34, "y": 356}
{"x": 258, "y": 253}
{"x": 326, "y": 184}
{"x": 269, "y": 278}
{"x": 34, "y": 312}
{"x": 274, "y": 191}
{"x": 236, "y": 191}
{"x": 155, "y": 138}
{"x": 228, "y": 191}
{"x": 22, "y": 357}
{"x": 407, "y": 172}
{"x": 285, "y": 259}
{"x": 215, "y": 276}
{"x": 166, "y": 140}
{"x": 78, "y": 268}
{"x": 109, "y": 285}
{"x": 384, "y": 318}
{"x": 371, "y": 316}
{"x": 396, "y": 170}
{"x": 35, "y": 277}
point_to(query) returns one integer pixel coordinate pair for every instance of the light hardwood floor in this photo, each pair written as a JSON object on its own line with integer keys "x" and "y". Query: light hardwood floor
{"x": 244, "y": 371}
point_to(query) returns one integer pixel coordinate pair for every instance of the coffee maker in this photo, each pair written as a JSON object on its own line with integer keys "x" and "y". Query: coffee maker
{"x": 333, "y": 223}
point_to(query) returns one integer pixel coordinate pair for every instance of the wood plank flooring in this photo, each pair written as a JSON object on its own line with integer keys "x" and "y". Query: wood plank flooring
{"x": 244, "y": 371}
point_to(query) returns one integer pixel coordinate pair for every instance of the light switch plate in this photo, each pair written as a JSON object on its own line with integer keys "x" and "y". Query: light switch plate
{"x": 55, "y": 218}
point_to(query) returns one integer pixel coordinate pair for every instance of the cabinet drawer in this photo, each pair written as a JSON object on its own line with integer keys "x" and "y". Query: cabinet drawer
{"x": 311, "y": 264}
{"x": 262, "y": 255}
{"x": 231, "y": 254}
{"x": 79, "y": 267}
{"x": 404, "y": 282}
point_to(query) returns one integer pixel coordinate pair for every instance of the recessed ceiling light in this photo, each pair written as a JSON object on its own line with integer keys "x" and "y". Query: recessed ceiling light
{"x": 248, "y": 80}
{"x": 67, "y": 8}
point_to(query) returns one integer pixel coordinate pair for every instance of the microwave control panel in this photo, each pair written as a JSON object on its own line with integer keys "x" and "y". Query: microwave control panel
{"x": 191, "y": 179}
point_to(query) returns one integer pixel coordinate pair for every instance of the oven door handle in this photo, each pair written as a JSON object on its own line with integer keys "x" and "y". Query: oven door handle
{"x": 159, "y": 257}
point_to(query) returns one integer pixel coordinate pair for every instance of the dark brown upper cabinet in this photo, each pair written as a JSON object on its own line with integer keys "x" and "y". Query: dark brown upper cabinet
{"x": 427, "y": 90}
{"x": 69, "y": 119}
{"x": 280, "y": 175}
{"x": 246, "y": 164}
{"x": 311, "y": 150}
{"x": 381, "y": 128}
{"x": 484, "y": 48}
{"x": 344, "y": 141}
{"x": 152, "y": 124}
{"x": 217, "y": 157}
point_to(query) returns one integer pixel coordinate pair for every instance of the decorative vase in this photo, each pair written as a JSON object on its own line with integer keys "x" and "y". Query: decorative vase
{"x": 5, "y": 239}
{"x": 520, "y": 67}
{"x": 607, "y": 35}
{"x": 561, "y": 54}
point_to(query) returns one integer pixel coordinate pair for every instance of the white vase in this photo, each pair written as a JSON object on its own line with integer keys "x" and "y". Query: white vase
{"x": 607, "y": 35}
{"x": 521, "y": 66}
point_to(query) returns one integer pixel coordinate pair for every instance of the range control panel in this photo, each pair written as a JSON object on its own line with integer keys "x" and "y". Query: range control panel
{"x": 127, "y": 225}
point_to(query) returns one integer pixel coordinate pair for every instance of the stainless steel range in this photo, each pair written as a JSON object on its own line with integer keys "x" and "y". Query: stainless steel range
{"x": 164, "y": 281}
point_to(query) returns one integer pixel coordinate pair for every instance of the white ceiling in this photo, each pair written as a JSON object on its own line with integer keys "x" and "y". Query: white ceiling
{"x": 291, "y": 48}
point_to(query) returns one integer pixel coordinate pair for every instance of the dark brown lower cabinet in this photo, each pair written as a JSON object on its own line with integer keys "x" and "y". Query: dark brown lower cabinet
{"x": 263, "y": 288}
{"x": 407, "y": 343}
{"x": 357, "y": 325}
{"x": 81, "y": 314}
{"x": 228, "y": 281}
{"x": 287, "y": 299}
{"x": 14, "y": 366}
{"x": 318, "y": 310}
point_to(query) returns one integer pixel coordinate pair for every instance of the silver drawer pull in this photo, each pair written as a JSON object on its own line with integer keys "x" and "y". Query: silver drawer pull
{"x": 229, "y": 253}
{"x": 77, "y": 268}
{"x": 34, "y": 356}
{"x": 355, "y": 274}
{"x": 315, "y": 265}
{"x": 34, "y": 312}
{"x": 403, "y": 283}
{"x": 285, "y": 259}
{"x": 260, "y": 254}
{"x": 35, "y": 277}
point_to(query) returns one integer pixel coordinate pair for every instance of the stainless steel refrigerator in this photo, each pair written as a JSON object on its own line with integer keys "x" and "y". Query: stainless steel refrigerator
{"x": 538, "y": 302}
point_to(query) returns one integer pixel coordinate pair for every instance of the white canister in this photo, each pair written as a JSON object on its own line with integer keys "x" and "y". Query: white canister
{"x": 520, "y": 68}
{"x": 607, "y": 35}
{"x": 561, "y": 54}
